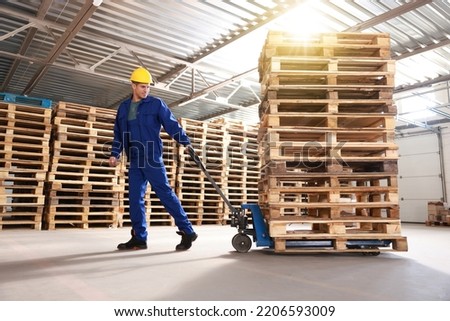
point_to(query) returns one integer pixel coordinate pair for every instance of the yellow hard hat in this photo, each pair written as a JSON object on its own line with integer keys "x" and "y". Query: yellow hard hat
{"x": 141, "y": 75}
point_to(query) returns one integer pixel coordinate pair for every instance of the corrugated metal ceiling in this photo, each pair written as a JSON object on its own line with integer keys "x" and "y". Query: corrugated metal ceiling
{"x": 203, "y": 55}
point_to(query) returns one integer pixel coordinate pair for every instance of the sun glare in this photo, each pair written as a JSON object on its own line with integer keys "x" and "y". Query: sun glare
{"x": 302, "y": 22}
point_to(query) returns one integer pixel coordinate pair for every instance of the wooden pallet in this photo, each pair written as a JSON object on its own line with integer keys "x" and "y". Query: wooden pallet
{"x": 288, "y": 63}
{"x": 324, "y": 136}
{"x": 340, "y": 38}
{"x": 21, "y": 201}
{"x": 305, "y": 194}
{"x": 304, "y": 121}
{"x": 27, "y": 113}
{"x": 59, "y": 121}
{"x": 344, "y": 149}
{"x": 29, "y": 215}
{"x": 330, "y": 210}
{"x": 327, "y": 92}
{"x": 293, "y": 80}
{"x": 81, "y": 200}
{"x": 86, "y": 113}
{"x": 437, "y": 223}
{"x": 346, "y": 106}
{"x": 323, "y": 168}
{"x": 338, "y": 244}
{"x": 354, "y": 45}
{"x": 80, "y": 216}
{"x": 304, "y": 226}
{"x": 279, "y": 178}
{"x": 77, "y": 134}
{"x": 334, "y": 72}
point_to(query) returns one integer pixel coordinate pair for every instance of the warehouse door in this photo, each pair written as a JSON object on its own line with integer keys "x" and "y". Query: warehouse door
{"x": 419, "y": 176}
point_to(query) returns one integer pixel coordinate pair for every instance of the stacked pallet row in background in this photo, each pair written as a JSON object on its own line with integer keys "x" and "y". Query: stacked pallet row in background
{"x": 329, "y": 160}
{"x": 83, "y": 191}
{"x": 55, "y": 169}
{"x": 230, "y": 152}
{"x": 199, "y": 198}
{"x": 241, "y": 164}
{"x": 438, "y": 214}
{"x": 24, "y": 159}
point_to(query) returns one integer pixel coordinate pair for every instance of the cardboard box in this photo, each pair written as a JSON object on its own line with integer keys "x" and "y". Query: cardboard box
{"x": 435, "y": 207}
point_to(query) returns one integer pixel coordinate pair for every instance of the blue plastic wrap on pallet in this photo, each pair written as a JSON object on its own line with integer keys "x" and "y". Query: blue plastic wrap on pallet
{"x": 24, "y": 100}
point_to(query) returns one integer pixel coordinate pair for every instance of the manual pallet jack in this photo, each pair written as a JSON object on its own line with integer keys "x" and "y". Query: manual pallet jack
{"x": 259, "y": 232}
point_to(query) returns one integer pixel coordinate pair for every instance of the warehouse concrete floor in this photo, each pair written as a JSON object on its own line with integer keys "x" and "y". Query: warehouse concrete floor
{"x": 74, "y": 264}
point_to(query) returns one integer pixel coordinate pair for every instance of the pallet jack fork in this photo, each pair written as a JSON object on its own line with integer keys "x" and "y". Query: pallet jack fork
{"x": 242, "y": 242}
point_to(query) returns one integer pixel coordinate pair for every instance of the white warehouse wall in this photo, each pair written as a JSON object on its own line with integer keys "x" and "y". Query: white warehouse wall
{"x": 446, "y": 155}
{"x": 419, "y": 169}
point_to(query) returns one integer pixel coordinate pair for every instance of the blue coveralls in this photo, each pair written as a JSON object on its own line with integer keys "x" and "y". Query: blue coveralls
{"x": 141, "y": 141}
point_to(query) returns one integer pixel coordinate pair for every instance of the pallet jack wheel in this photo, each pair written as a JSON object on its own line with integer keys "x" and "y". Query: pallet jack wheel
{"x": 241, "y": 243}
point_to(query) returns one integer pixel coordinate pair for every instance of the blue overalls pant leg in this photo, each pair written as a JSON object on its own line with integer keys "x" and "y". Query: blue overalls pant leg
{"x": 157, "y": 176}
{"x": 137, "y": 184}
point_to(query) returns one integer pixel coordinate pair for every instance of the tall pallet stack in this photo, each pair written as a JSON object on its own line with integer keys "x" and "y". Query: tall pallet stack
{"x": 198, "y": 197}
{"x": 83, "y": 191}
{"x": 24, "y": 159}
{"x": 329, "y": 160}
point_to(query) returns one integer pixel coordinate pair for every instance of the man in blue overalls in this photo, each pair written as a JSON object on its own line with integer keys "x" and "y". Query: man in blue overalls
{"x": 137, "y": 132}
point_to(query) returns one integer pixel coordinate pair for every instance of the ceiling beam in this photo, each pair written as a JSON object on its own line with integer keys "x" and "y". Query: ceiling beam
{"x": 433, "y": 46}
{"x": 128, "y": 47}
{"x": 421, "y": 84}
{"x": 415, "y": 123}
{"x": 77, "y": 23}
{"x": 45, "y": 5}
{"x": 231, "y": 108}
{"x": 251, "y": 26}
{"x": 196, "y": 95}
{"x": 440, "y": 112}
{"x": 393, "y": 13}
{"x": 225, "y": 40}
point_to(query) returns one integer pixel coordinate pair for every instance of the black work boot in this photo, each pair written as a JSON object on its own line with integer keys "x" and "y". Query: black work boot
{"x": 186, "y": 241}
{"x": 133, "y": 244}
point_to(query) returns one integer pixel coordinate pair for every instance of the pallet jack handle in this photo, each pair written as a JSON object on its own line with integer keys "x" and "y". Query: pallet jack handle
{"x": 200, "y": 164}
{"x": 241, "y": 241}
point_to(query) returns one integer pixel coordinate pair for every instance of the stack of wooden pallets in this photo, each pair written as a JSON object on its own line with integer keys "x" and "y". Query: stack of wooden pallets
{"x": 24, "y": 158}
{"x": 83, "y": 191}
{"x": 329, "y": 160}
{"x": 198, "y": 197}
{"x": 230, "y": 152}
{"x": 241, "y": 164}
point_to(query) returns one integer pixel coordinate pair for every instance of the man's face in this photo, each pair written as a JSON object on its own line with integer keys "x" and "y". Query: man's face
{"x": 140, "y": 91}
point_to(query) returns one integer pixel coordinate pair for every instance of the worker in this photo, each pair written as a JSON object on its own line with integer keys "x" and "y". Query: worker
{"x": 137, "y": 132}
